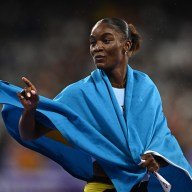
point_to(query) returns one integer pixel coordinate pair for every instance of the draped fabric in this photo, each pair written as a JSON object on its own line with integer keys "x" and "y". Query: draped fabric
{"x": 89, "y": 118}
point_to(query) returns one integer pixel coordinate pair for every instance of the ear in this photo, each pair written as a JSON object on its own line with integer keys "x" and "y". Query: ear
{"x": 127, "y": 45}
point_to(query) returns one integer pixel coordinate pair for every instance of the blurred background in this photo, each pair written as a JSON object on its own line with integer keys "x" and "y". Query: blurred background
{"x": 48, "y": 42}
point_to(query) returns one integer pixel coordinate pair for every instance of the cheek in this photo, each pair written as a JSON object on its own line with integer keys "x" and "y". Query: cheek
{"x": 115, "y": 54}
{"x": 115, "y": 49}
{"x": 90, "y": 51}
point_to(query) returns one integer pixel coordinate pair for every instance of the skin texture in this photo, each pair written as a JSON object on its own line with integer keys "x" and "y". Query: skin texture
{"x": 28, "y": 96}
{"x": 110, "y": 52}
{"x": 29, "y": 99}
{"x": 150, "y": 162}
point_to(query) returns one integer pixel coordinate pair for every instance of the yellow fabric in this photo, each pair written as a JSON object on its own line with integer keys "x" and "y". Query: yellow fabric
{"x": 97, "y": 187}
{"x": 56, "y": 135}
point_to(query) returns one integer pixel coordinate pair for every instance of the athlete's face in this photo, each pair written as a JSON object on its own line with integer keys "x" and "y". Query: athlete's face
{"x": 107, "y": 46}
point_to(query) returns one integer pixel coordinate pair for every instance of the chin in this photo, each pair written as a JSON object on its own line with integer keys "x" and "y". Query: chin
{"x": 100, "y": 65}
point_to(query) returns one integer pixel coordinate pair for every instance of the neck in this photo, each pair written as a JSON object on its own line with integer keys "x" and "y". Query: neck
{"x": 118, "y": 78}
{"x": 119, "y": 85}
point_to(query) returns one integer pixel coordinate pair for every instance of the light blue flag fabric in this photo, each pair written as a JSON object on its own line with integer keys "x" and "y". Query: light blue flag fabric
{"x": 88, "y": 116}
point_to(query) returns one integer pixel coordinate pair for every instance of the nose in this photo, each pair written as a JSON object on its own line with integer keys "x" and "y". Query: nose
{"x": 98, "y": 47}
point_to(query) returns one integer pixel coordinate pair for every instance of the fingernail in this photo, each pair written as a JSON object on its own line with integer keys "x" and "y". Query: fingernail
{"x": 33, "y": 92}
{"x": 28, "y": 94}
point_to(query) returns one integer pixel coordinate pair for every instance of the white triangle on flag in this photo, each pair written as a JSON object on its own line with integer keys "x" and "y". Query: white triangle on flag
{"x": 165, "y": 184}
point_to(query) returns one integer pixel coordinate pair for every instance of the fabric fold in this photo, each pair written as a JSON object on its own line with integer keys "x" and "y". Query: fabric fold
{"x": 87, "y": 115}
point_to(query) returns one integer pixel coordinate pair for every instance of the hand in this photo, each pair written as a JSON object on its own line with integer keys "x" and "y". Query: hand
{"x": 150, "y": 162}
{"x": 28, "y": 97}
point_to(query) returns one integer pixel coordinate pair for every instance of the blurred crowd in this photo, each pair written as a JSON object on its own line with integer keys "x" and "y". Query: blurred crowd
{"x": 48, "y": 42}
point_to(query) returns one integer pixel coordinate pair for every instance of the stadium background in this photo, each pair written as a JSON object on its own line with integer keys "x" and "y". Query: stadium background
{"x": 48, "y": 42}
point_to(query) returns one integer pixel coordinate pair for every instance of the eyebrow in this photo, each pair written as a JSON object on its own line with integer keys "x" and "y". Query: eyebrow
{"x": 104, "y": 34}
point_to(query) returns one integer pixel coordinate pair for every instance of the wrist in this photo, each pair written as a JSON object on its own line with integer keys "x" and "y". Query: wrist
{"x": 31, "y": 110}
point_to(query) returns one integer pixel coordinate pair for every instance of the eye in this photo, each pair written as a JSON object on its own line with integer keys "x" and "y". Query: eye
{"x": 106, "y": 41}
{"x": 92, "y": 42}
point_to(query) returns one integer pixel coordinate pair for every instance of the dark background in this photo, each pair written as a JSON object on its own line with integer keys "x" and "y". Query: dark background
{"x": 48, "y": 42}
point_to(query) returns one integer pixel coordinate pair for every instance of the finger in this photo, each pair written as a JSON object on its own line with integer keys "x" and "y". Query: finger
{"x": 146, "y": 156}
{"x": 152, "y": 164}
{"x": 153, "y": 167}
{"x": 33, "y": 92}
{"x": 145, "y": 160}
{"x": 148, "y": 160}
{"x": 20, "y": 96}
{"x": 28, "y": 83}
{"x": 29, "y": 95}
{"x": 26, "y": 92}
{"x": 23, "y": 100}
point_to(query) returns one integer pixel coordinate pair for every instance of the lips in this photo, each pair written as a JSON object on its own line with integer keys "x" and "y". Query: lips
{"x": 100, "y": 61}
{"x": 99, "y": 56}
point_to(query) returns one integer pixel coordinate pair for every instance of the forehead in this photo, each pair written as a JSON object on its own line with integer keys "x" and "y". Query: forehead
{"x": 101, "y": 28}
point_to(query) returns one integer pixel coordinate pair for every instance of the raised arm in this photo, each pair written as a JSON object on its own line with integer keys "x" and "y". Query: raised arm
{"x": 28, "y": 128}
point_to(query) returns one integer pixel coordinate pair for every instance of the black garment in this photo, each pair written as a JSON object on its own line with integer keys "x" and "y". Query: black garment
{"x": 140, "y": 187}
{"x": 110, "y": 190}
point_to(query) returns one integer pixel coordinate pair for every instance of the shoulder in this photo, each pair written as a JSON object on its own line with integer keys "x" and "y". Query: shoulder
{"x": 143, "y": 83}
{"x": 141, "y": 76}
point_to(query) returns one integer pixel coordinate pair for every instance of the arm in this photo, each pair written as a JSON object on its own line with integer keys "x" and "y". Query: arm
{"x": 28, "y": 128}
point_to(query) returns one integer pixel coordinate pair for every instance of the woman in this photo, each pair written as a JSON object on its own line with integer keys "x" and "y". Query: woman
{"x": 112, "y": 119}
